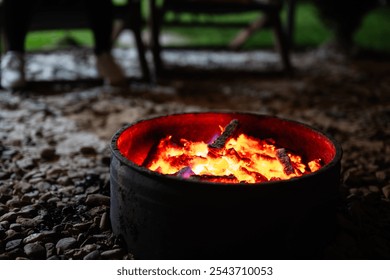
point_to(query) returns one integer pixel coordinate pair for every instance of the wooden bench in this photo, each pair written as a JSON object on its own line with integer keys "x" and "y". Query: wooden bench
{"x": 268, "y": 9}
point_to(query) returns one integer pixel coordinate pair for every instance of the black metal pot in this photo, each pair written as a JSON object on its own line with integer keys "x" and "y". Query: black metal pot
{"x": 165, "y": 217}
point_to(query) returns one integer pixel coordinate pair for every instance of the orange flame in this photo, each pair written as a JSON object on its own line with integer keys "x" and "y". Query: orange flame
{"x": 242, "y": 159}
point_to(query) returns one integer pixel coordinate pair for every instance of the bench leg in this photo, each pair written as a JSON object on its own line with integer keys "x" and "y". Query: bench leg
{"x": 245, "y": 33}
{"x": 137, "y": 27}
{"x": 281, "y": 42}
{"x": 155, "y": 28}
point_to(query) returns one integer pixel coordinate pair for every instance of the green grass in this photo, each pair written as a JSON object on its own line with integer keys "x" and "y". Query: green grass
{"x": 47, "y": 40}
{"x": 211, "y": 36}
{"x": 309, "y": 32}
{"x": 375, "y": 31}
{"x": 309, "y": 29}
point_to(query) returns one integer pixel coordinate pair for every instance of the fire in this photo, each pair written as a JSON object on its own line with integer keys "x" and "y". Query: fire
{"x": 241, "y": 159}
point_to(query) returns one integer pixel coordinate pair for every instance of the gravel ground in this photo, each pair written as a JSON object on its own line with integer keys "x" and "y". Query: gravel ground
{"x": 54, "y": 156}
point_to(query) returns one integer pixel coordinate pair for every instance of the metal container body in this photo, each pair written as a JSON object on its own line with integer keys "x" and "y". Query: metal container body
{"x": 164, "y": 217}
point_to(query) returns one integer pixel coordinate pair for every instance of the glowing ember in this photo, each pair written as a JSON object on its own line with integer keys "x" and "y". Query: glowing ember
{"x": 238, "y": 159}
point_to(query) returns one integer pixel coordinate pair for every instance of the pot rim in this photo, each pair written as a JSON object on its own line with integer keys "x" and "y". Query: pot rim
{"x": 163, "y": 177}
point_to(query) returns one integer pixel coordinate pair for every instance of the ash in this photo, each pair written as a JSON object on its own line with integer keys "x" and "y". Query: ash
{"x": 54, "y": 156}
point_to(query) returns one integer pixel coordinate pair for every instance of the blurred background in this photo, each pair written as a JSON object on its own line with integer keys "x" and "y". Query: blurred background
{"x": 316, "y": 22}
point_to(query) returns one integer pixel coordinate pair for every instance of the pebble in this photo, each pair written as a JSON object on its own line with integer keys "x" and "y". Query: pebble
{"x": 55, "y": 258}
{"x": 82, "y": 226}
{"x": 92, "y": 190}
{"x": 13, "y": 244}
{"x": 68, "y": 191}
{"x": 381, "y": 176}
{"x": 3, "y": 210}
{"x": 11, "y": 235}
{"x": 35, "y": 180}
{"x": 4, "y": 197}
{"x": 104, "y": 222}
{"x": 16, "y": 227}
{"x": 68, "y": 210}
{"x": 374, "y": 189}
{"x": 50, "y": 249}
{"x": 15, "y": 202}
{"x": 58, "y": 228}
{"x": 364, "y": 190}
{"x": 4, "y": 224}
{"x": 32, "y": 194}
{"x": 386, "y": 191}
{"x": 88, "y": 150}
{"x": 353, "y": 191}
{"x": 113, "y": 254}
{"x": 94, "y": 255}
{"x": 46, "y": 197}
{"x": 89, "y": 248}
{"x": 35, "y": 251}
{"x": 28, "y": 222}
{"x": 79, "y": 254}
{"x": 43, "y": 236}
{"x": 24, "y": 186}
{"x": 10, "y": 216}
{"x": 55, "y": 172}
{"x": 69, "y": 254}
{"x": 15, "y": 253}
{"x": 53, "y": 200}
{"x": 48, "y": 153}
{"x": 65, "y": 244}
{"x": 27, "y": 211}
{"x": 25, "y": 199}
{"x": 97, "y": 200}
{"x": 44, "y": 187}
{"x": 106, "y": 160}
{"x": 34, "y": 237}
{"x": 8, "y": 154}
{"x": 3, "y": 175}
{"x": 25, "y": 163}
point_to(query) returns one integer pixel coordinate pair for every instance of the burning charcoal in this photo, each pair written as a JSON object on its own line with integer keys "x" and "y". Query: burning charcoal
{"x": 185, "y": 172}
{"x": 219, "y": 179}
{"x": 258, "y": 176}
{"x": 231, "y": 148}
{"x": 273, "y": 179}
{"x": 284, "y": 159}
{"x": 227, "y": 133}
